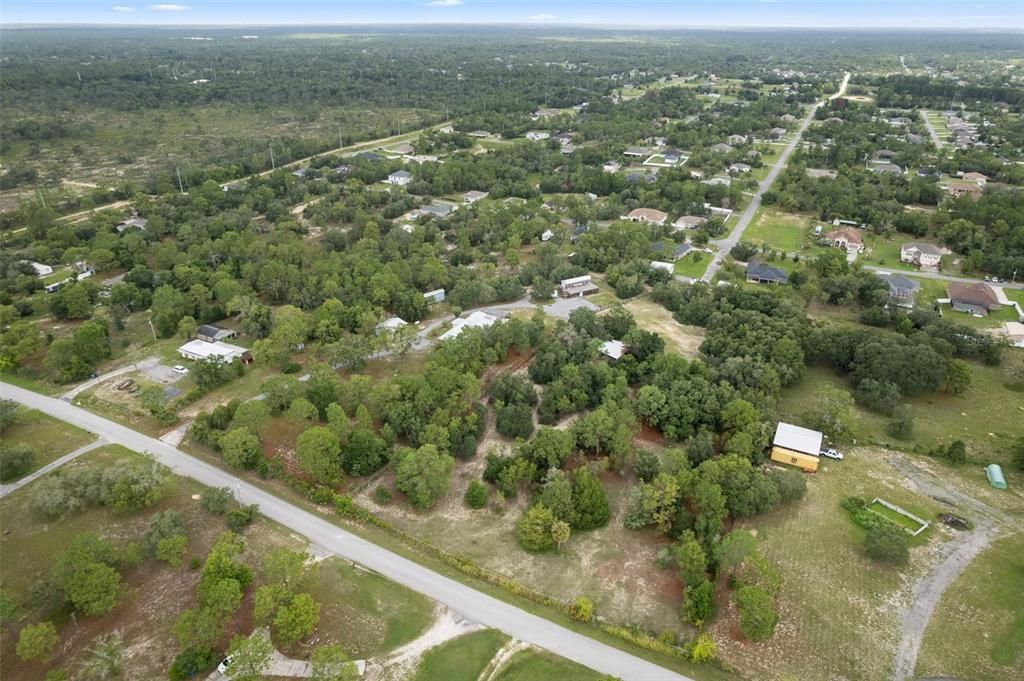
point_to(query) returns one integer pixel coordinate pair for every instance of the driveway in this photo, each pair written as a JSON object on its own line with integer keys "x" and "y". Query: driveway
{"x": 465, "y": 601}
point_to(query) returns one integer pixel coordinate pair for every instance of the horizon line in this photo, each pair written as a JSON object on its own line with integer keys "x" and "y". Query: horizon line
{"x": 524, "y": 24}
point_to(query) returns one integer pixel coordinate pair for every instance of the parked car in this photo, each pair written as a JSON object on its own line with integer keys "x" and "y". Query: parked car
{"x": 178, "y": 369}
{"x": 224, "y": 664}
{"x": 832, "y": 454}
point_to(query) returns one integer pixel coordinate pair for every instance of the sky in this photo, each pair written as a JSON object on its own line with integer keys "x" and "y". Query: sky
{"x": 962, "y": 14}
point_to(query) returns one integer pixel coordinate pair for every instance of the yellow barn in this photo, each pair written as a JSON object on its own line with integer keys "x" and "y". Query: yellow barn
{"x": 796, "y": 446}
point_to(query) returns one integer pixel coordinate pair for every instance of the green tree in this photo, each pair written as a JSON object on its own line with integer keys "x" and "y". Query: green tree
{"x": 423, "y": 475}
{"x": 734, "y": 549}
{"x": 832, "y": 412}
{"x": 296, "y": 620}
{"x": 556, "y": 494}
{"x": 560, "y": 532}
{"x": 251, "y": 415}
{"x": 958, "y": 376}
{"x": 534, "y": 528}
{"x": 757, "y": 613}
{"x": 589, "y": 500}
{"x": 172, "y": 549}
{"x": 582, "y": 609}
{"x": 902, "y": 424}
{"x": 240, "y": 448}
{"x": 94, "y": 589}
{"x": 15, "y": 461}
{"x": 330, "y": 663}
{"x": 698, "y": 602}
{"x": 168, "y": 307}
{"x": 476, "y": 494}
{"x": 302, "y": 411}
{"x": 37, "y": 641}
{"x": 197, "y": 628}
{"x": 318, "y": 453}
{"x": 250, "y": 656}
{"x": 887, "y": 543}
{"x": 187, "y": 327}
{"x": 691, "y": 561}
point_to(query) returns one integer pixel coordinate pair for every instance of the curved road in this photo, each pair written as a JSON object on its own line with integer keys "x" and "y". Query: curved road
{"x": 725, "y": 245}
{"x": 458, "y": 597}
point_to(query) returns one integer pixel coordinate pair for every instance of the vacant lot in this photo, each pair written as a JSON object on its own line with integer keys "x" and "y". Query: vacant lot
{"x": 462, "y": 658}
{"x": 49, "y": 438}
{"x": 782, "y": 231}
{"x": 679, "y": 338}
{"x": 531, "y": 665}
{"x": 834, "y": 600}
{"x": 693, "y": 264}
{"x": 983, "y": 613}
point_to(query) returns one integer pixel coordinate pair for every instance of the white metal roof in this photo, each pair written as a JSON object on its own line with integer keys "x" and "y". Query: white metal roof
{"x": 205, "y": 350}
{"x": 798, "y": 439}
{"x": 475, "y": 320}
{"x": 613, "y": 348}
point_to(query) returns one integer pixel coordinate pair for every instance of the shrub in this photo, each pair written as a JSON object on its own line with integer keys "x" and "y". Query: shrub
{"x": 647, "y": 465}
{"x": 703, "y": 649}
{"x": 215, "y": 500}
{"x": 191, "y": 663}
{"x": 382, "y": 495}
{"x": 171, "y": 549}
{"x": 581, "y": 609}
{"x": 238, "y": 518}
{"x": 698, "y": 603}
{"x": 757, "y": 613}
{"x": 534, "y": 529}
{"x": 476, "y": 494}
{"x": 887, "y": 543}
{"x": 15, "y": 461}
{"x": 37, "y": 641}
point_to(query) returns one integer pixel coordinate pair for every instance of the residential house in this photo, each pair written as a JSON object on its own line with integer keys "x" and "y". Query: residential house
{"x": 407, "y": 228}
{"x": 724, "y": 213}
{"x": 446, "y": 129}
{"x": 689, "y": 222}
{"x": 976, "y": 298}
{"x": 134, "y": 222}
{"x": 777, "y": 133}
{"x": 914, "y": 138}
{"x": 787, "y": 118}
{"x": 796, "y": 446}
{"x": 213, "y": 333}
{"x": 884, "y": 155}
{"x": 438, "y": 210}
{"x": 473, "y": 196}
{"x": 400, "y": 178}
{"x": 422, "y": 158}
{"x": 546, "y": 235}
{"x": 578, "y": 231}
{"x": 563, "y": 138}
{"x": 343, "y": 169}
{"x": 925, "y": 171}
{"x": 301, "y": 173}
{"x": 724, "y": 181}
{"x": 736, "y": 140}
{"x": 205, "y": 351}
{"x": 648, "y": 215}
{"x": 956, "y": 189}
{"x": 613, "y": 349}
{"x": 1012, "y": 332}
{"x": 611, "y": 166}
{"x": 759, "y": 273}
{"x": 638, "y": 152}
{"x": 737, "y": 168}
{"x": 41, "y": 270}
{"x": 721, "y": 148}
{"x": 537, "y": 135}
{"x": 676, "y": 252}
{"x": 435, "y": 296}
{"x": 977, "y": 178}
{"x": 847, "y": 238}
{"x": 925, "y": 256}
{"x": 577, "y": 287}
{"x": 902, "y": 290}
{"x": 390, "y": 325}
{"x": 478, "y": 319}
{"x": 887, "y": 168}
{"x": 370, "y": 156}
{"x": 636, "y": 177}
{"x": 672, "y": 155}
{"x": 480, "y": 134}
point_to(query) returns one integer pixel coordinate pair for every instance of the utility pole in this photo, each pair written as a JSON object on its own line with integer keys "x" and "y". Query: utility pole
{"x": 150, "y": 320}
{"x": 176, "y": 172}
{"x": 273, "y": 166}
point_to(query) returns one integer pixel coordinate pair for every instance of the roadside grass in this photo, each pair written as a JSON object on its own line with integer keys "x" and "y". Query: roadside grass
{"x": 460, "y": 659}
{"x": 368, "y": 615}
{"x": 1015, "y": 294}
{"x": 122, "y": 412}
{"x": 834, "y": 600}
{"x": 531, "y": 665}
{"x": 983, "y": 611}
{"x": 983, "y": 417}
{"x": 693, "y": 264}
{"x": 36, "y": 386}
{"x": 49, "y": 438}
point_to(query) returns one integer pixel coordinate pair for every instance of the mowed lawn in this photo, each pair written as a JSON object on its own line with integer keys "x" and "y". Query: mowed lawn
{"x": 460, "y": 659}
{"x": 49, "y": 438}
{"x": 531, "y": 665}
{"x": 838, "y": 610}
{"x": 693, "y": 264}
{"x": 781, "y": 231}
{"x": 977, "y": 632}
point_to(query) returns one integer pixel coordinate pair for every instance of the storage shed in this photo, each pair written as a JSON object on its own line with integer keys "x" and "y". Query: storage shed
{"x": 796, "y": 446}
{"x": 995, "y": 476}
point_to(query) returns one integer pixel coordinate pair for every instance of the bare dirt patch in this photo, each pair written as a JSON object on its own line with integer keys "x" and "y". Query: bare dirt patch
{"x": 652, "y": 317}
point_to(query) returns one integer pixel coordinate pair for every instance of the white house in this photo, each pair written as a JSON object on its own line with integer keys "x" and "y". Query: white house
{"x": 390, "y": 325}
{"x": 473, "y": 196}
{"x": 546, "y": 235}
{"x": 649, "y": 215}
{"x": 737, "y": 168}
{"x": 400, "y": 178}
{"x": 41, "y": 269}
{"x": 478, "y": 319}
{"x": 537, "y": 135}
{"x": 611, "y": 167}
{"x": 925, "y": 256}
{"x": 577, "y": 287}
{"x": 435, "y": 296}
{"x": 613, "y": 349}
{"x": 659, "y": 265}
{"x": 200, "y": 350}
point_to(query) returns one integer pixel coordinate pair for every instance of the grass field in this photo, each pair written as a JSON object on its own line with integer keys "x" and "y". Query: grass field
{"x": 834, "y": 600}
{"x": 679, "y": 338}
{"x": 782, "y": 231}
{"x": 530, "y": 665}
{"x": 365, "y": 613}
{"x": 693, "y": 265}
{"x": 462, "y": 658}
{"x": 983, "y": 417}
{"x": 983, "y": 612}
{"x": 49, "y": 438}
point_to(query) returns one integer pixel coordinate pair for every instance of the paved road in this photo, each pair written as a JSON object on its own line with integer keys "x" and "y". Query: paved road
{"x": 942, "y": 277}
{"x": 461, "y": 599}
{"x": 931, "y": 130}
{"x": 71, "y": 456}
{"x": 725, "y": 245}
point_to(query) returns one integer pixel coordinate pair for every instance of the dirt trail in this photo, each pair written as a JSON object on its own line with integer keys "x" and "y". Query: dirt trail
{"x": 953, "y": 557}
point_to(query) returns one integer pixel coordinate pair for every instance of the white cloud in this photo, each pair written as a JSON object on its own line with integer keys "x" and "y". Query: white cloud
{"x": 168, "y": 8}
{"x": 543, "y": 17}
{"x": 122, "y": 8}
{"x": 445, "y": 3}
